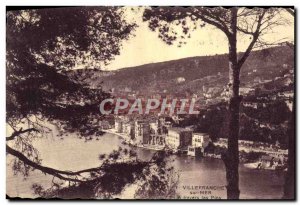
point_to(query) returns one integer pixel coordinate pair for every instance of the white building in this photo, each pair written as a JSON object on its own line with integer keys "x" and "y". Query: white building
{"x": 199, "y": 142}
{"x": 179, "y": 138}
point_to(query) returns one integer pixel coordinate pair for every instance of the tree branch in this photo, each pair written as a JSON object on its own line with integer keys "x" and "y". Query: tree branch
{"x": 21, "y": 131}
{"x": 48, "y": 170}
{"x": 206, "y": 18}
{"x": 255, "y": 35}
{"x": 216, "y": 17}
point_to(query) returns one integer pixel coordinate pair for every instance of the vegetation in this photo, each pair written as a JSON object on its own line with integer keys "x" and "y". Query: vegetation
{"x": 154, "y": 179}
{"x": 261, "y": 124}
{"x": 152, "y": 77}
{"x": 253, "y": 23}
{"x": 42, "y": 45}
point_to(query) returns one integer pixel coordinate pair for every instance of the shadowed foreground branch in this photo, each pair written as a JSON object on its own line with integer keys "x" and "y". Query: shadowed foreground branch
{"x": 57, "y": 173}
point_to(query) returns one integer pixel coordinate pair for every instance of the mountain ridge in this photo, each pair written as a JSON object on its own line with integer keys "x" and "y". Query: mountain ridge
{"x": 194, "y": 72}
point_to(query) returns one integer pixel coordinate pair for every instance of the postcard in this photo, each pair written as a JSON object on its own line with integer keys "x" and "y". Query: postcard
{"x": 150, "y": 103}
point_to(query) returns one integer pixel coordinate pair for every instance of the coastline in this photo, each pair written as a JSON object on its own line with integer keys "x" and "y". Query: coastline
{"x": 156, "y": 148}
{"x": 125, "y": 139}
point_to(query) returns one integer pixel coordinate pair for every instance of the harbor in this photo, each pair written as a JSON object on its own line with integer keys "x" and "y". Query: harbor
{"x": 63, "y": 154}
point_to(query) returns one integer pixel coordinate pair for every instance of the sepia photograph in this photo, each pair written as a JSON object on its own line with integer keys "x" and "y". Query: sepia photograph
{"x": 176, "y": 103}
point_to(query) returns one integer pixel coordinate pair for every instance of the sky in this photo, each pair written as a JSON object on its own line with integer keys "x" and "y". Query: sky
{"x": 145, "y": 47}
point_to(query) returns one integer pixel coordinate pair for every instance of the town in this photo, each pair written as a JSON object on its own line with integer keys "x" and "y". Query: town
{"x": 159, "y": 133}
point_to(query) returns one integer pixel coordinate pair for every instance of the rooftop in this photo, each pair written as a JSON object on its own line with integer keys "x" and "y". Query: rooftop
{"x": 179, "y": 129}
{"x": 200, "y": 133}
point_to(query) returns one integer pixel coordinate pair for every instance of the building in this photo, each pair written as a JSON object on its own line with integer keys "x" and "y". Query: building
{"x": 153, "y": 127}
{"x": 142, "y": 131}
{"x": 245, "y": 90}
{"x": 199, "y": 142}
{"x": 118, "y": 125}
{"x": 157, "y": 140}
{"x": 179, "y": 138}
{"x": 121, "y": 123}
{"x": 128, "y": 130}
{"x": 163, "y": 124}
{"x": 156, "y": 133}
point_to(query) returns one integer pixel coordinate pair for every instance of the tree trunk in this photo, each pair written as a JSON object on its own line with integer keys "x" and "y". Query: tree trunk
{"x": 232, "y": 155}
{"x": 289, "y": 186}
{"x": 231, "y": 158}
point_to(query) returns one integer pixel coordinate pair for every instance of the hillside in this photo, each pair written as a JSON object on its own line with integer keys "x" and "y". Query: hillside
{"x": 195, "y": 73}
